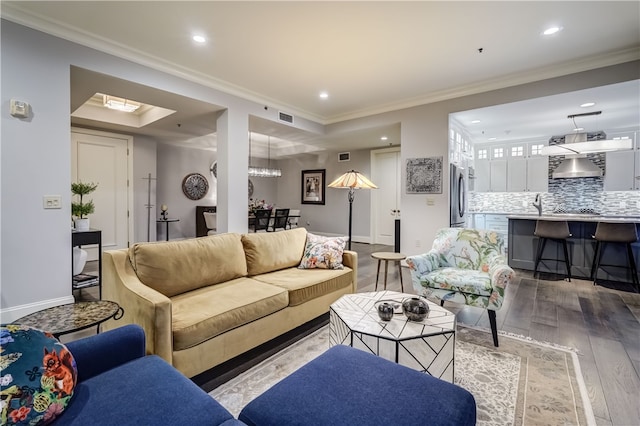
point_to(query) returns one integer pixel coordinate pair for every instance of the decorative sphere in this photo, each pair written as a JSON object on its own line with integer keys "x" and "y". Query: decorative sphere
{"x": 385, "y": 311}
{"x": 415, "y": 308}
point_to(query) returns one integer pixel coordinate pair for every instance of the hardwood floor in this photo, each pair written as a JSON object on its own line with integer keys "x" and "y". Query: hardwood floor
{"x": 602, "y": 322}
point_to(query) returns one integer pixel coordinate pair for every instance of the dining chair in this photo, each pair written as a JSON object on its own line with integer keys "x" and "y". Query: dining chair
{"x": 294, "y": 215}
{"x": 261, "y": 222}
{"x": 279, "y": 220}
{"x": 210, "y": 219}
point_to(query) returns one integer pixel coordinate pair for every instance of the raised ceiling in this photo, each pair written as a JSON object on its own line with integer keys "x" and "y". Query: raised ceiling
{"x": 369, "y": 56}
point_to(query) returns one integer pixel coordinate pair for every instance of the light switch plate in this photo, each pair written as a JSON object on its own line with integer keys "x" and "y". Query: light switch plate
{"x": 52, "y": 202}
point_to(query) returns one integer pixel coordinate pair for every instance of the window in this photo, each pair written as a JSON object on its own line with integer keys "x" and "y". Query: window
{"x": 498, "y": 152}
{"x": 536, "y": 149}
{"x": 483, "y": 154}
{"x": 517, "y": 151}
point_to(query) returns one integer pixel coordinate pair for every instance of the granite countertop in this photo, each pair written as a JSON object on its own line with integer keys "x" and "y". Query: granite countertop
{"x": 576, "y": 217}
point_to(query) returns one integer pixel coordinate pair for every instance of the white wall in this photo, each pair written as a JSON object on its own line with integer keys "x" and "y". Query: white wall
{"x": 144, "y": 163}
{"x": 174, "y": 163}
{"x": 36, "y": 159}
{"x": 332, "y": 218}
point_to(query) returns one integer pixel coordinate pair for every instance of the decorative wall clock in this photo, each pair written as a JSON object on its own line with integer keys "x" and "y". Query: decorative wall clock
{"x": 195, "y": 186}
{"x": 250, "y": 188}
{"x": 214, "y": 169}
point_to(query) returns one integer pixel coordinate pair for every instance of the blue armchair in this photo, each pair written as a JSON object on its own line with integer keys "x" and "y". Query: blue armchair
{"x": 464, "y": 266}
{"x": 118, "y": 384}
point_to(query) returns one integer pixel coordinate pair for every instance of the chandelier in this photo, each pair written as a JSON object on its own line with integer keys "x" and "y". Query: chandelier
{"x": 268, "y": 171}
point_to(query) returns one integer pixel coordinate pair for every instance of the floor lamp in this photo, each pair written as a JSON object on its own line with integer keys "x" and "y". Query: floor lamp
{"x": 352, "y": 180}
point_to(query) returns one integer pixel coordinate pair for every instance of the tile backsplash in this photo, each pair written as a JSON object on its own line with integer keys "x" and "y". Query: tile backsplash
{"x": 572, "y": 195}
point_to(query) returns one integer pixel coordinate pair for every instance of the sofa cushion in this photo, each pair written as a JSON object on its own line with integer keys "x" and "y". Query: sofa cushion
{"x": 272, "y": 251}
{"x": 207, "y": 312}
{"x": 38, "y": 376}
{"x": 145, "y": 391}
{"x": 175, "y": 267}
{"x": 323, "y": 252}
{"x": 306, "y": 284}
{"x": 469, "y": 281}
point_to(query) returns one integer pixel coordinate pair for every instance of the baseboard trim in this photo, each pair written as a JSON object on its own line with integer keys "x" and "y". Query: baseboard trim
{"x": 9, "y": 315}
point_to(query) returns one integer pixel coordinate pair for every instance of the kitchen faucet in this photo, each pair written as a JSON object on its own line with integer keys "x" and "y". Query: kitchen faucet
{"x": 538, "y": 204}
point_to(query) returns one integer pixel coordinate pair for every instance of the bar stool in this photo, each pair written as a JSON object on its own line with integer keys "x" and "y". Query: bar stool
{"x": 621, "y": 233}
{"x": 555, "y": 230}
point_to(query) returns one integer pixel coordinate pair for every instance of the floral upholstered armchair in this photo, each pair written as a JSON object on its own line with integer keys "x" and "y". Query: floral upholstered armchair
{"x": 464, "y": 266}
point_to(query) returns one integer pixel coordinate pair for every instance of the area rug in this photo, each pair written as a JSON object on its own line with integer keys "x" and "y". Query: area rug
{"x": 523, "y": 382}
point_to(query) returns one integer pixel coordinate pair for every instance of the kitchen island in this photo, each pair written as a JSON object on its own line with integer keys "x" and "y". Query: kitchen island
{"x": 523, "y": 245}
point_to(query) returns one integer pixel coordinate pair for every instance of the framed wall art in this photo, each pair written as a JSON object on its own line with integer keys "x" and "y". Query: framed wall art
{"x": 424, "y": 175}
{"x": 313, "y": 186}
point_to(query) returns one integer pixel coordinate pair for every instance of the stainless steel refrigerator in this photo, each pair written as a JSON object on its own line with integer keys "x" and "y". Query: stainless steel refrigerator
{"x": 457, "y": 197}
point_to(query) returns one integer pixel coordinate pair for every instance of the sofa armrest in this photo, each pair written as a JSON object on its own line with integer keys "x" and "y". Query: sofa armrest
{"x": 102, "y": 352}
{"x": 350, "y": 259}
{"x": 142, "y": 305}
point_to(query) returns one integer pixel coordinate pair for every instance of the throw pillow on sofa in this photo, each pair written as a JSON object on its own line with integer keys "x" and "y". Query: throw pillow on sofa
{"x": 323, "y": 252}
{"x": 38, "y": 376}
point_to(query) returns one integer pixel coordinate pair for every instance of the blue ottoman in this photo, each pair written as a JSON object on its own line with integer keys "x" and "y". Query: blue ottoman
{"x": 346, "y": 386}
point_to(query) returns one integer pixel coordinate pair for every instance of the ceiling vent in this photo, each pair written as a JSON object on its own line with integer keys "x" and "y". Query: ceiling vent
{"x": 287, "y": 118}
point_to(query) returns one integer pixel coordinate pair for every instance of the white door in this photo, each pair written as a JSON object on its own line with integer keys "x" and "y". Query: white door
{"x": 385, "y": 173}
{"x": 103, "y": 158}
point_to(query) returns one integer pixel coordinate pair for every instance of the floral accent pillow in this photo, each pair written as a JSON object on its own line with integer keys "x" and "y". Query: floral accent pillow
{"x": 38, "y": 376}
{"x": 323, "y": 252}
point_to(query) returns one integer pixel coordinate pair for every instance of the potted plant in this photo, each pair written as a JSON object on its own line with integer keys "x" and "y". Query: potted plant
{"x": 80, "y": 210}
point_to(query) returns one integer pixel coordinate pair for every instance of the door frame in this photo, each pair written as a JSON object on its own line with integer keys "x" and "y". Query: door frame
{"x": 374, "y": 208}
{"x": 130, "y": 195}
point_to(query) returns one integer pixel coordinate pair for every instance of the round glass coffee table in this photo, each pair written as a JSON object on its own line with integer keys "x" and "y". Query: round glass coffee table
{"x": 72, "y": 317}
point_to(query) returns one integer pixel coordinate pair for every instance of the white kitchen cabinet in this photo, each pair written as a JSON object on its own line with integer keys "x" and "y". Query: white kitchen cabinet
{"x": 482, "y": 173}
{"x": 622, "y": 167}
{"x": 517, "y": 175}
{"x": 498, "y": 178}
{"x": 620, "y": 171}
{"x": 527, "y": 169}
{"x": 516, "y": 167}
{"x": 478, "y": 220}
{"x": 538, "y": 173}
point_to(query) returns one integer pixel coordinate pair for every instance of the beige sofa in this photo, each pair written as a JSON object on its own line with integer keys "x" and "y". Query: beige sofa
{"x": 206, "y": 300}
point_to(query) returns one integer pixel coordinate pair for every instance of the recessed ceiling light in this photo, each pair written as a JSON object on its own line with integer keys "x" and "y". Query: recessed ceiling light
{"x": 587, "y": 104}
{"x": 475, "y": 122}
{"x": 384, "y": 138}
{"x": 492, "y": 139}
{"x": 199, "y": 39}
{"x": 552, "y": 30}
{"x": 324, "y": 95}
{"x": 577, "y": 129}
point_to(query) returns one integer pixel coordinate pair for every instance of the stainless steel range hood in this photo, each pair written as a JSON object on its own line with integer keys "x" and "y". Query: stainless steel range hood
{"x": 575, "y": 166}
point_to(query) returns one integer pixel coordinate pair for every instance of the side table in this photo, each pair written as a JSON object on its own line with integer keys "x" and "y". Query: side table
{"x": 388, "y": 257}
{"x": 167, "y": 221}
{"x": 72, "y": 317}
